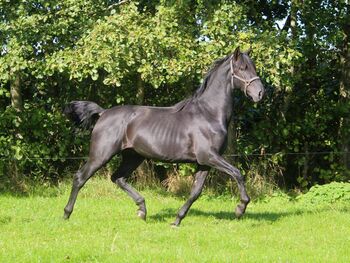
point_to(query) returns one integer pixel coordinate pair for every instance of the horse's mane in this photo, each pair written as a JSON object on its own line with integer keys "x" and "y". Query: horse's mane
{"x": 182, "y": 104}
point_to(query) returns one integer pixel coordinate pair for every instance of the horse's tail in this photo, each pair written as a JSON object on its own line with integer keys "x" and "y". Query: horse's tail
{"x": 83, "y": 113}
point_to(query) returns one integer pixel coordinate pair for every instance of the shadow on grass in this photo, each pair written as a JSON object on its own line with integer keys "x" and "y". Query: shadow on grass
{"x": 170, "y": 213}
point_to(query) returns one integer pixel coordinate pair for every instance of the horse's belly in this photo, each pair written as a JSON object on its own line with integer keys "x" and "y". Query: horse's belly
{"x": 167, "y": 149}
{"x": 157, "y": 135}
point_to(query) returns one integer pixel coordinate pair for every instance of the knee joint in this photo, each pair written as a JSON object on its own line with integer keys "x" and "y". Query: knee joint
{"x": 78, "y": 182}
{"x": 119, "y": 181}
{"x": 246, "y": 200}
{"x": 140, "y": 201}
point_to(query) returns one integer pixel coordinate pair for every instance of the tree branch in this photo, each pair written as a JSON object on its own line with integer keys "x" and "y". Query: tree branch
{"x": 287, "y": 24}
{"x": 117, "y": 4}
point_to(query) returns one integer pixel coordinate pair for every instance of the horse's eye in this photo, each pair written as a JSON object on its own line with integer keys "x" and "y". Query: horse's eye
{"x": 244, "y": 67}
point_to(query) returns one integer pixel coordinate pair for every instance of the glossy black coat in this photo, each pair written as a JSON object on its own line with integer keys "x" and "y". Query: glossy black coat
{"x": 194, "y": 130}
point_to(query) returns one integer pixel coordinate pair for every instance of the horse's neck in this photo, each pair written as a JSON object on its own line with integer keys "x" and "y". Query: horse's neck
{"x": 217, "y": 97}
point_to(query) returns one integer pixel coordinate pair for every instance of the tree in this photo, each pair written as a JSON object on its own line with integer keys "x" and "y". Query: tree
{"x": 156, "y": 53}
{"x": 344, "y": 84}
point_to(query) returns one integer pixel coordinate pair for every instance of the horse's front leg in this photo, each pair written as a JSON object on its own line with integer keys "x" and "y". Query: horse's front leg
{"x": 197, "y": 187}
{"x": 216, "y": 161}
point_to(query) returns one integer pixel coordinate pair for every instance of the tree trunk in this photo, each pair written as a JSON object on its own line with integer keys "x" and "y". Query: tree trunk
{"x": 17, "y": 104}
{"x": 287, "y": 111}
{"x": 344, "y": 90}
{"x": 231, "y": 141}
{"x": 294, "y": 37}
{"x": 140, "y": 92}
{"x": 293, "y": 18}
{"x": 16, "y": 95}
{"x": 305, "y": 171}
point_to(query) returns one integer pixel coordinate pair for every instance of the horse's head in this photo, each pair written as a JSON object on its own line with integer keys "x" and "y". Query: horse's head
{"x": 243, "y": 75}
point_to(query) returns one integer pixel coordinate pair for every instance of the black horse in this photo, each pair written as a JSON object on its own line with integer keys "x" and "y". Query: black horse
{"x": 193, "y": 130}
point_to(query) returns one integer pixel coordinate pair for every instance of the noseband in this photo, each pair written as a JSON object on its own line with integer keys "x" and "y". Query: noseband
{"x": 246, "y": 82}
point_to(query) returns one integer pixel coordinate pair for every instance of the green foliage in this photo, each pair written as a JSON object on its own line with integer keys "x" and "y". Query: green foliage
{"x": 187, "y": 169}
{"x": 130, "y": 42}
{"x": 36, "y": 141}
{"x": 34, "y": 30}
{"x": 75, "y": 50}
{"x": 326, "y": 194}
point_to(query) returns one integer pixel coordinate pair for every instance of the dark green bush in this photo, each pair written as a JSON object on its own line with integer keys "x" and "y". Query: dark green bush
{"x": 37, "y": 143}
{"x": 327, "y": 194}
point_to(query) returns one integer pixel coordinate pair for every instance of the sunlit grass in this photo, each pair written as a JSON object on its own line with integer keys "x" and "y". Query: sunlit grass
{"x": 104, "y": 228}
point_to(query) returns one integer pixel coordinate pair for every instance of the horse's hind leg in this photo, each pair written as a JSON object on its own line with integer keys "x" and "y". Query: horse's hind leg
{"x": 101, "y": 151}
{"x": 80, "y": 178}
{"x": 197, "y": 187}
{"x": 130, "y": 161}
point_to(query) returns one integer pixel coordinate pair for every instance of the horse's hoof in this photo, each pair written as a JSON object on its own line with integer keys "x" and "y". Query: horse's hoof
{"x": 66, "y": 216}
{"x": 141, "y": 215}
{"x": 174, "y": 225}
{"x": 239, "y": 212}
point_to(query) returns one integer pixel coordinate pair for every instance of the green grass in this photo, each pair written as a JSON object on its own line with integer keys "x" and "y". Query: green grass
{"x": 104, "y": 228}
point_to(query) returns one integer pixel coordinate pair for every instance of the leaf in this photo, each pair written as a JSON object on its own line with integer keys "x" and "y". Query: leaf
{"x": 94, "y": 76}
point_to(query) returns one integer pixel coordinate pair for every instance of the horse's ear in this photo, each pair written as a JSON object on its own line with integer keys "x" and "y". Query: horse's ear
{"x": 236, "y": 53}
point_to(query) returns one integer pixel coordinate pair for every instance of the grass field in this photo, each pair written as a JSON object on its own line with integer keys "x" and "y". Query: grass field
{"x": 104, "y": 228}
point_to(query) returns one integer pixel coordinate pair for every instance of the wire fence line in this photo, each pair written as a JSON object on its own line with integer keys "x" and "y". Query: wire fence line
{"x": 287, "y": 153}
{"x": 225, "y": 155}
{"x": 46, "y": 158}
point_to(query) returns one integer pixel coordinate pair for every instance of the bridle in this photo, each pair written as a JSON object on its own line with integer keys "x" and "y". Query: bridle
{"x": 246, "y": 82}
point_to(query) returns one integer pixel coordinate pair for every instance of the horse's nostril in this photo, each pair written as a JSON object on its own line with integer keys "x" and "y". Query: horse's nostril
{"x": 260, "y": 94}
